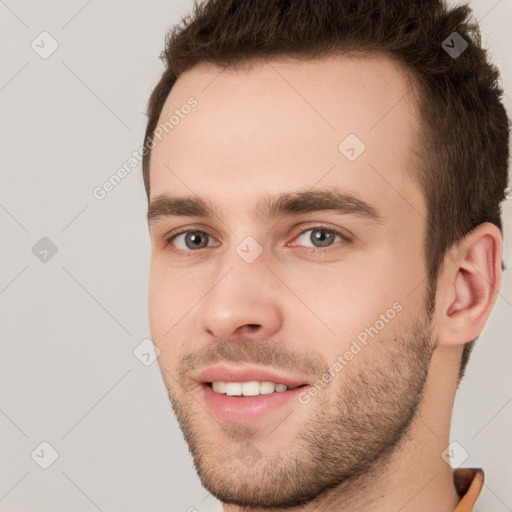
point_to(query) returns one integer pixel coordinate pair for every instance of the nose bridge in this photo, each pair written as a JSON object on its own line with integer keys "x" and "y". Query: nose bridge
{"x": 240, "y": 296}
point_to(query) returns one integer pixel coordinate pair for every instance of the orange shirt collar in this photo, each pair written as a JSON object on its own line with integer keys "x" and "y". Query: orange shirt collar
{"x": 469, "y": 483}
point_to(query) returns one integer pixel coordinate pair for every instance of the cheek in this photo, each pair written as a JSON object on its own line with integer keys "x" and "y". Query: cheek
{"x": 158, "y": 298}
{"x": 166, "y": 297}
{"x": 347, "y": 302}
{"x": 165, "y": 312}
{"x": 172, "y": 294}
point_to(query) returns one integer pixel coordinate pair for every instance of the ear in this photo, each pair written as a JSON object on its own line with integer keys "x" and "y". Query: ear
{"x": 469, "y": 285}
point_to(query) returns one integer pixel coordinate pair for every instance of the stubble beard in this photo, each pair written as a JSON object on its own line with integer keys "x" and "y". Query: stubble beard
{"x": 353, "y": 426}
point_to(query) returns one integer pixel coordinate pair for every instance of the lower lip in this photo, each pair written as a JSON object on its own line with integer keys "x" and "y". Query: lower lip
{"x": 247, "y": 408}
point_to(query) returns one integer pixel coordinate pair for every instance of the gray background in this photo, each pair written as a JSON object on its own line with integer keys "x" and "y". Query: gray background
{"x": 70, "y": 324}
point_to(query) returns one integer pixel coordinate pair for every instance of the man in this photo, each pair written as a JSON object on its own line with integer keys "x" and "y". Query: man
{"x": 324, "y": 182}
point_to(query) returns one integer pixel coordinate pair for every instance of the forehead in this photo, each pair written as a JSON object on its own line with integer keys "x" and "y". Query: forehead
{"x": 284, "y": 125}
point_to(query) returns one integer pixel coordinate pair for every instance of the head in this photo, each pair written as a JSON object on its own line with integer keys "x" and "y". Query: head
{"x": 325, "y": 204}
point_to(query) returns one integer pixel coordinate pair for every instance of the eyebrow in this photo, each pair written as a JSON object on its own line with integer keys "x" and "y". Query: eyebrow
{"x": 269, "y": 207}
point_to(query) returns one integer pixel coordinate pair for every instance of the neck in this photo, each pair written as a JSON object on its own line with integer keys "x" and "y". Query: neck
{"x": 414, "y": 477}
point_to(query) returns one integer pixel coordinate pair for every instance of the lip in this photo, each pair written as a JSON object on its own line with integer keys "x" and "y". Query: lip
{"x": 247, "y": 373}
{"x": 234, "y": 409}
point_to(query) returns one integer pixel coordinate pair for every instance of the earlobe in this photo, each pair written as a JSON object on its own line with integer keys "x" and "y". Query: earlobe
{"x": 470, "y": 285}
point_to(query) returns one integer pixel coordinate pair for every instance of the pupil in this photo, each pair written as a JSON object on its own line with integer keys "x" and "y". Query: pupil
{"x": 318, "y": 236}
{"x": 194, "y": 240}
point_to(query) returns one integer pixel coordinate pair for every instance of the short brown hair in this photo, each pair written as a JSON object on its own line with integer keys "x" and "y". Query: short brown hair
{"x": 462, "y": 157}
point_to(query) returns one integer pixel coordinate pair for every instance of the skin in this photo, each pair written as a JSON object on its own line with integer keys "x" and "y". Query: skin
{"x": 372, "y": 439}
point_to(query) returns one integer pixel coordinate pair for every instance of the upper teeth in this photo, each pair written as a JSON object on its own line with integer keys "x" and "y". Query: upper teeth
{"x": 252, "y": 388}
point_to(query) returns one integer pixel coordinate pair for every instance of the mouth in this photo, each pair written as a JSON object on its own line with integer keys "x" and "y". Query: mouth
{"x": 241, "y": 394}
{"x": 250, "y": 388}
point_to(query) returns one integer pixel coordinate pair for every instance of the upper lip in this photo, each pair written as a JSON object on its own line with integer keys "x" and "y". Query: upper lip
{"x": 246, "y": 373}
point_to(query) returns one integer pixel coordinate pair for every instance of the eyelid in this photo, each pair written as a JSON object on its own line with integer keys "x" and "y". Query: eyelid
{"x": 343, "y": 233}
{"x": 169, "y": 237}
{"x": 323, "y": 225}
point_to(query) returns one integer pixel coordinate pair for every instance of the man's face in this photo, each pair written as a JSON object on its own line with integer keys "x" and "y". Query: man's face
{"x": 274, "y": 291}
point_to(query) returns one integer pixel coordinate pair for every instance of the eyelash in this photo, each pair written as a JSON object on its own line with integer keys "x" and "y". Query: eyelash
{"x": 315, "y": 250}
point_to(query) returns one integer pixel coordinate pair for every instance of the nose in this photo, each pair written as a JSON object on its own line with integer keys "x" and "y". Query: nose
{"x": 243, "y": 301}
